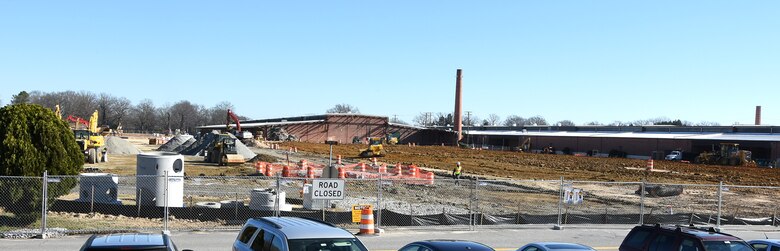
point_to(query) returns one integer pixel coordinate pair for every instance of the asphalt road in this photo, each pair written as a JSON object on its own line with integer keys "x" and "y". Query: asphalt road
{"x": 601, "y": 237}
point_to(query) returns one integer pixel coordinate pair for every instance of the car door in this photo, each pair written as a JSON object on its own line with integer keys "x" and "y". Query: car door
{"x": 242, "y": 241}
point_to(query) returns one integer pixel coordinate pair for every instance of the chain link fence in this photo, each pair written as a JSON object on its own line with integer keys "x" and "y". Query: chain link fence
{"x": 110, "y": 203}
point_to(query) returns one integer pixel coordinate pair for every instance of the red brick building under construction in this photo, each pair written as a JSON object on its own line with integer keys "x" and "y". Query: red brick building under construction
{"x": 343, "y": 128}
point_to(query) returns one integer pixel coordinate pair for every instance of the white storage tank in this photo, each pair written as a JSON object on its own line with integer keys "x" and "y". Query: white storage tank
{"x": 150, "y": 180}
{"x": 98, "y": 187}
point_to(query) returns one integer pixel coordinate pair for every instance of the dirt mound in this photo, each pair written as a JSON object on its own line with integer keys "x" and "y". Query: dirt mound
{"x": 279, "y": 134}
{"x": 198, "y": 147}
{"x": 175, "y": 142}
{"x": 117, "y": 145}
{"x": 265, "y": 158}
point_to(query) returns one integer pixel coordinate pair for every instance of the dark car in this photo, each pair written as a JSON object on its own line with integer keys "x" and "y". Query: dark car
{"x": 445, "y": 245}
{"x": 682, "y": 238}
{"x": 130, "y": 241}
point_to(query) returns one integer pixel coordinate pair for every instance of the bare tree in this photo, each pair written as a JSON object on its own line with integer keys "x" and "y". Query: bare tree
{"x": 444, "y": 119}
{"x": 423, "y": 119}
{"x": 144, "y": 116}
{"x": 493, "y": 119}
{"x": 343, "y": 108}
{"x": 185, "y": 116}
{"x": 565, "y": 122}
{"x": 707, "y": 123}
{"x": 536, "y": 120}
{"x": 594, "y": 123}
{"x": 218, "y": 113}
{"x": 471, "y": 120}
{"x": 398, "y": 121}
{"x": 514, "y": 120}
{"x": 112, "y": 109}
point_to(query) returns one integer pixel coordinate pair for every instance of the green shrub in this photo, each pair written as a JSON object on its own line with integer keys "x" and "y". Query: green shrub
{"x": 33, "y": 140}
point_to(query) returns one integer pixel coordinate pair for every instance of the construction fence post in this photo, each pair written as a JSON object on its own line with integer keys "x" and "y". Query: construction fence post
{"x": 379, "y": 202}
{"x": 165, "y": 203}
{"x": 642, "y": 203}
{"x": 44, "y": 196}
{"x": 560, "y": 206}
{"x": 720, "y": 202}
{"x": 277, "y": 204}
{"x": 472, "y": 198}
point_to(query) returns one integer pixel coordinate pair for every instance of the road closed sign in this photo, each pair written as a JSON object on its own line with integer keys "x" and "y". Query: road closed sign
{"x": 328, "y": 189}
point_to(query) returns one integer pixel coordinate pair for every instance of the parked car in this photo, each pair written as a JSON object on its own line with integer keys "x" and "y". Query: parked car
{"x": 765, "y": 245}
{"x": 682, "y": 238}
{"x": 445, "y": 245}
{"x": 554, "y": 246}
{"x": 130, "y": 241}
{"x": 294, "y": 234}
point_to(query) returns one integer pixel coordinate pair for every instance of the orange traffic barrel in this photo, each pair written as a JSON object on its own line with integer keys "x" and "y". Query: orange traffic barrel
{"x": 342, "y": 173}
{"x": 429, "y": 178}
{"x": 309, "y": 172}
{"x": 338, "y": 159}
{"x": 362, "y": 167}
{"x": 398, "y": 170}
{"x": 650, "y": 164}
{"x": 286, "y": 171}
{"x": 383, "y": 168}
{"x": 366, "y": 221}
{"x": 413, "y": 170}
{"x": 374, "y": 160}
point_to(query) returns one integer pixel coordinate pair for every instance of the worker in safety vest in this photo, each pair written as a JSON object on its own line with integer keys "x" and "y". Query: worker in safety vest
{"x": 456, "y": 172}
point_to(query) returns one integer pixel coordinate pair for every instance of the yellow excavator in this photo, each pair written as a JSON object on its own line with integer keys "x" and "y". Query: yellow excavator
{"x": 91, "y": 140}
{"x": 375, "y": 148}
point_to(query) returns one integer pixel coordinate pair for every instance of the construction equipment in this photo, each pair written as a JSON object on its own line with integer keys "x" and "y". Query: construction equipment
{"x": 222, "y": 151}
{"x": 375, "y": 148}
{"x": 90, "y": 140}
{"x": 392, "y": 138}
{"x": 728, "y": 154}
{"x": 238, "y": 133}
{"x": 525, "y": 146}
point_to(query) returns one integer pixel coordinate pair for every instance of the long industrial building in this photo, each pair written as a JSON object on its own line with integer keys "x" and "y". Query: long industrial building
{"x": 636, "y": 141}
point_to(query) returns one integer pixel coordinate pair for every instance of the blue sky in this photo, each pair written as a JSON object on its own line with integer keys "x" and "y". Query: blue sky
{"x": 575, "y": 60}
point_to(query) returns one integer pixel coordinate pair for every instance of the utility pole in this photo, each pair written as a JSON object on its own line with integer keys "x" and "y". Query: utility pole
{"x": 395, "y": 118}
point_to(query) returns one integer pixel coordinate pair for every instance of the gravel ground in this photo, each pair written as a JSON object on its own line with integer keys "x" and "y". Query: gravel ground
{"x": 117, "y": 145}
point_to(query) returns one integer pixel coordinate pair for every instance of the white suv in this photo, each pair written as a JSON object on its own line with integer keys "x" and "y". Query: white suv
{"x": 294, "y": 234}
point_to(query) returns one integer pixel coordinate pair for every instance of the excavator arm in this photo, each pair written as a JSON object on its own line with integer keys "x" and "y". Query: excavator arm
{"x": 231, "y": 115}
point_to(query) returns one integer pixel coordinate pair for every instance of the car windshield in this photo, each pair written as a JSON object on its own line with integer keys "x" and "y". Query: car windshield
{"x": 326, "y": 245}
{"x": 726, "y": 246}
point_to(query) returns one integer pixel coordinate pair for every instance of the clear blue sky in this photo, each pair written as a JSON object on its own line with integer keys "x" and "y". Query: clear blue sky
{"x": 577, "y": 60}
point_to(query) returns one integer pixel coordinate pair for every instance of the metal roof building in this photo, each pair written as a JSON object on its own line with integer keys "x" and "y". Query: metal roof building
{"x": 636, "y": 141}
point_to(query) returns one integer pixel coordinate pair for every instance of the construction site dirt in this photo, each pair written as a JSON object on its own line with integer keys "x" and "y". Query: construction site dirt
{"x": 531, "y": 166}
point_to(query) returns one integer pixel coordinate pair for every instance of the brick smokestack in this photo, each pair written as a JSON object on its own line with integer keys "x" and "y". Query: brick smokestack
{"x": 458, "y": 117}
{"x": 758, "y": 115}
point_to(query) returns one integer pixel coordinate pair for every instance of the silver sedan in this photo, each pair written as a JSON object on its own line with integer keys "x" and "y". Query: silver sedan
{"x": 554, "y": 246}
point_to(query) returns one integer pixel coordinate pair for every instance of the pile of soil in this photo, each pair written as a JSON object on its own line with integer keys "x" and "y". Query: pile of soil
{"x": 515, "y": 165}
{"x": 117, "y": 145}
{"x": 198, "y": 147}
{"x": 177, "y": 142}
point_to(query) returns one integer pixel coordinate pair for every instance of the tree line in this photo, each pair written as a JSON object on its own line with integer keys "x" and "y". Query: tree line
{"x": 145, "y": 116}
{"x": 446, "y": 119}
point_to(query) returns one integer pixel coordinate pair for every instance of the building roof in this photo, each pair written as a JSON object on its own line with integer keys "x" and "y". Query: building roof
{"x": 637, "y": 135}
{"x": 260, "y": 124}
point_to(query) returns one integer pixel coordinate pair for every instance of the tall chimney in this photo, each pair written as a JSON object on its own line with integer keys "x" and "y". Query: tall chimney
{"x": 457, "y": 116}
{"x": 758, "y": 115}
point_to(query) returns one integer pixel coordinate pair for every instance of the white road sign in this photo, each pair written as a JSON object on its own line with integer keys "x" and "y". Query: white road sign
{"x": 328, "y": 189}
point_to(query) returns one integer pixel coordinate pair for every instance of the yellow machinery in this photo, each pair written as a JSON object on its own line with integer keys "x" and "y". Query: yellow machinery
{"x": 392, "y": 138}
{"x": 729, "y": 154}
{"x": 91, "y": 141}
{"x": 223, "y": 151}
{"x": 375, "y": 148}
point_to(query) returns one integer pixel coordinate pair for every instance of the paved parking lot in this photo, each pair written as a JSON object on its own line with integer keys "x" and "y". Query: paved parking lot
{"x": 607, "y": 237}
